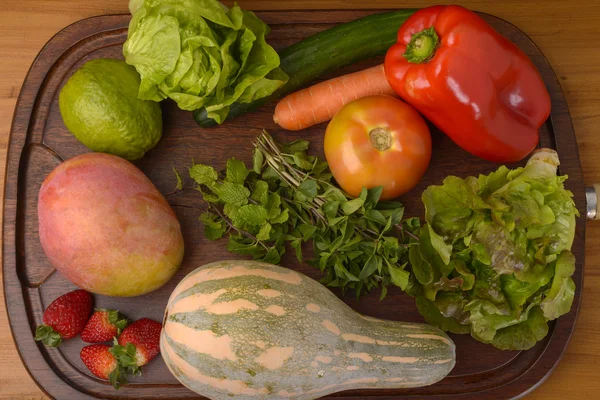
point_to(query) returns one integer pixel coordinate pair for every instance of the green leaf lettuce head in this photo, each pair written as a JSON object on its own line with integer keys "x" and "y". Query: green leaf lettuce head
{"x": 201, "y": 54}
{"x": 493, "y": 258}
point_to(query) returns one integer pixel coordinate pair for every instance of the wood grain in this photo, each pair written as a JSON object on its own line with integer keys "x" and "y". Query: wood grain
{"x": 555, "y": 27}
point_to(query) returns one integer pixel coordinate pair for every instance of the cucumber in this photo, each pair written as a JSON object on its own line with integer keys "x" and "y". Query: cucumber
{"x": 325, "y": 52}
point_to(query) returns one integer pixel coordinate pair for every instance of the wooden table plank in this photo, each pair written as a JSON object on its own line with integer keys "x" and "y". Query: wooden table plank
{"x": 566, "y": 32}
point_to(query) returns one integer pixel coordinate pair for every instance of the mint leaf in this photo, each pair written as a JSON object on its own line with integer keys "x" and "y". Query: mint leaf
{"x": 308, "y": 189}
{"x": 281, "y": 218}
{"x": 214, "y": 226}
{"x": 303, "y": 161}
{"x": 334, "y": 194}
{"x": 209, "y": 197}
{"x": 321, "y": 170}
{"x": 203, "y": 174}
{"x": 331, "y": 208}
{"x": 244, "y": 246}
{"x": 264, "y": 233}
{"x": 230, "y": 211}
{"x": 272, "y": 256}
{"x": 296, "y": 146}
{"x": 257, "y": 161}
{"x": 236, "y": 171}
{"x": 233, "y": 193}
{"x": 260, "y": 194}
{"x": 273, "y": 203}
{"x": 269, "y": 174}
{"x": 179, "y": 185}
{"x": 250, "y": 214}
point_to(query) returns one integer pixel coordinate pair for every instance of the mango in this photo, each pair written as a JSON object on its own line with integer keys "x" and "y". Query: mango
{"x": 107, "y": 228}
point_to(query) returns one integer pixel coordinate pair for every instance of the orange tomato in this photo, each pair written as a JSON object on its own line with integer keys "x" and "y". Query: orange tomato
{"x": 378, "y": 141}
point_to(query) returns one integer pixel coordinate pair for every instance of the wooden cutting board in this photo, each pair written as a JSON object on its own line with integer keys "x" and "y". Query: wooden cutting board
{"x": 39, "y": 141}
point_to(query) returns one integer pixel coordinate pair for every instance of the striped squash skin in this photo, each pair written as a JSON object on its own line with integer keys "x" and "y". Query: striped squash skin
{"x": 258, "y": 331}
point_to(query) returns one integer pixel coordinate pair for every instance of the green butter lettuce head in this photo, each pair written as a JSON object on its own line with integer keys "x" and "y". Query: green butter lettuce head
{"x": 99, "y": 105}
{"x": 493, "y": 258}
{"x": 201, "y": 54}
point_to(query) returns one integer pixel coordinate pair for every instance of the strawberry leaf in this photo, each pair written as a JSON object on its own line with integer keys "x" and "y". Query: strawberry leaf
{"x": 114, "y": 317}
{"x": 126, "y": 356}
{"x": 48, "y": 336}
{"x": 118, "y": 377}
{"x": 126, "y": 363}
{"x": 121, "y": 324}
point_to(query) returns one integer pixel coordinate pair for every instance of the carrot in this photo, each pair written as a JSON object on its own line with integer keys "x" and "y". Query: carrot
{"x": 319, "y": 103}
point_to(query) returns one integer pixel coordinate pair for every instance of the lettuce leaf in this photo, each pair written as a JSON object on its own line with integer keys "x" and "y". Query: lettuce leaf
{"x": 201, "y": 54}
{"x": 433, "y": 316}
{"x": 450, "y": 208}
{"x": 559, "y": 298}
{"x": 493, "y": 257}
{"x": 524, "y": 335}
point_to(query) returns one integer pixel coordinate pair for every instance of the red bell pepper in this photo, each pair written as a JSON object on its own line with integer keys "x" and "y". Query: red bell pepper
{"x": 474, "y": 84}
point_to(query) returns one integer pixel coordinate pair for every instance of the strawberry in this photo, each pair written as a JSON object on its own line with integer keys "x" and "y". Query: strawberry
{"x": 103, "y": 325}
{"x": 138, "y": 344}
{"x": 65, "y": 317}
{"x": 100, "y": 361}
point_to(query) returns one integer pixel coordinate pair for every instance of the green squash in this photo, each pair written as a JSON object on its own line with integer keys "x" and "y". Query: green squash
{"x": 258, "y": 331}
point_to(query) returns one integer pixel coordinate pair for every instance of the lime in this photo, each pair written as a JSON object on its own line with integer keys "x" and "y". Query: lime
{"x": 99, "y": 105}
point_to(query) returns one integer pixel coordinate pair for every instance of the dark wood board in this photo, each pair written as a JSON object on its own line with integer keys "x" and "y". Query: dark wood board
{"x": 39, "y": 141}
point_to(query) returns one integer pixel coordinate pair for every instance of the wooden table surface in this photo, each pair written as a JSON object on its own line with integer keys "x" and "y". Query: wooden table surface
{"x": 566, "y": 32}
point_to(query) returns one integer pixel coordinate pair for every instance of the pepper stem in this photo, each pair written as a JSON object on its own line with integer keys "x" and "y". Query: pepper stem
{"x": 422, "y": 46}
{"x": 381, "y": 138}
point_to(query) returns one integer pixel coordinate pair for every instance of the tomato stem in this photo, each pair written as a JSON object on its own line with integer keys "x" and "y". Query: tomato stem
{"x": 422, "y": 46}
{"x": 381, "y": 138}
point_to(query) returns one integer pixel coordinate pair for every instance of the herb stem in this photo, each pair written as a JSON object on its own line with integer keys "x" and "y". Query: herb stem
{"x": 179, "y": 190}
{"x": 282, "y": 173}
{"x": 240, "y": 231}
{"x": 282, "y": 167}
{"x": 404, "y": 231}
{"x": 277, "y": 154}
{"x": 311, "y": 222}
{"x": 367, "y": 232}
